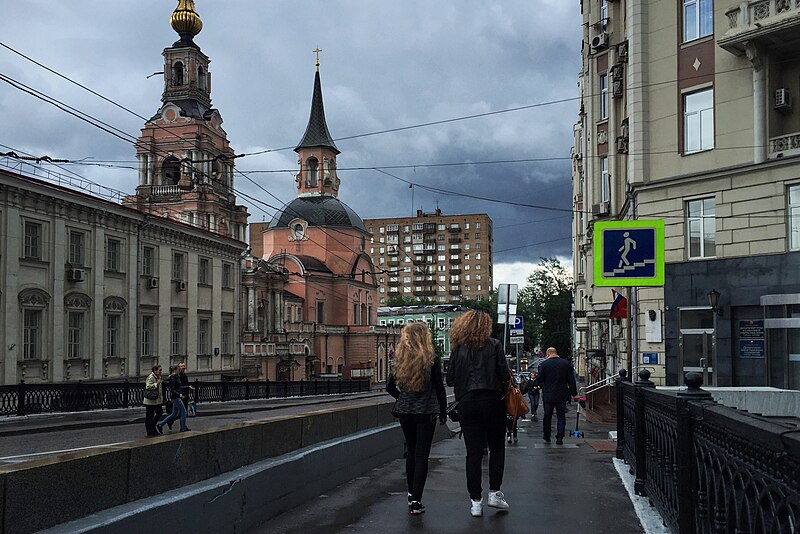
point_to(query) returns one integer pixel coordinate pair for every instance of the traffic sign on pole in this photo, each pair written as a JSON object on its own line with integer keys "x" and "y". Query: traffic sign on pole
{"x": 629, "y": 253}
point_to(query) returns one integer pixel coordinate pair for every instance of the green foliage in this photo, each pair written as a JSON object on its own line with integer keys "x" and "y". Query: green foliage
{"x": 546, "y": 304}
{"x": 438, "y": 345}
{"x": 489, "y": 306}
{"x": 400, "y": 300}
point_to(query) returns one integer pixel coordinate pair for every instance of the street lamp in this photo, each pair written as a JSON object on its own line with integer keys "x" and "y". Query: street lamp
{"x": 713, "y": 301}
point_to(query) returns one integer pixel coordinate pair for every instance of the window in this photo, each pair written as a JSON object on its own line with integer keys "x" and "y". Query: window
{"x": 171, "y": 171}
{"x": 698, "y": 19}
{"x": 177, "y": 336}
{"x": 440, "y": 322}
{"x": 311, "y": 172}
{"x": 204, "y": 336}
{"x": 604, "y": 96}
{"x": 604, "y": 14}
{"x": 113, "y": 255}
{"x": 204, "y": 271}
{"x": 320, "y": 312}
{"x": 178, "y": 261}
{"x": 227, "y": 329}
{"x": 148, "y": 261}
{"x": 75, "y": 349}
{"x": 407, "y": 289}
{"x": 113, "y": 325}
{"x": 698, "y": 121}
{"x": 227, "y": 275}
{"x": 33, "y": 241}
{"x": 77, "y": 248}
{"x": 148, "y": 324}
{"x": 477, "y": 235}
{"x": 177, "y": 73}
{"x": 605, "y": 181}
{"x": 478, "y": 256}
{"x": 356, "y": 313}
{"x": 794, "y": 217}
{"x": 701, "y": 228}
{"x": 31, "y": 334}
{"x": 477, "y": 225}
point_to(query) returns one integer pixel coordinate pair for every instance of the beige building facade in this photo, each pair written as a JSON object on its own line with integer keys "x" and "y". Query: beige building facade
{"x": 435, "y": 257}
{"x": 97, "y": 291}
{"x": 687, "y": 117}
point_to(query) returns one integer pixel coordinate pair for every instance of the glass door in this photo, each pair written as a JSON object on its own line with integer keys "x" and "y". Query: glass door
{"x": 697, "y": 343}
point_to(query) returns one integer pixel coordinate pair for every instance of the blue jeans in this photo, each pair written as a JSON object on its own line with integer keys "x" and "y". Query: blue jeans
{"x": 534, "y": 398}
{"x": 178, "y": 411}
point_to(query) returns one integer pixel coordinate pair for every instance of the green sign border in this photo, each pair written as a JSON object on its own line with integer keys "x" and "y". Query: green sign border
{"x": 652, "y": 281}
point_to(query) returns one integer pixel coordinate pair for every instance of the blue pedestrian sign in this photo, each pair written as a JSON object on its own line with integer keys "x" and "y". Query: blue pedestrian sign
{"x": 629, "y": 253}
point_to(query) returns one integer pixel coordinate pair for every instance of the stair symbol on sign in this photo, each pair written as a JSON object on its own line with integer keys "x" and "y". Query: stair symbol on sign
{"x": 631, "y": 267}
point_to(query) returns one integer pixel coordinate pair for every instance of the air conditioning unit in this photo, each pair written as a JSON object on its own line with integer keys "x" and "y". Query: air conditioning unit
{"x": 600, "y": 41}
{"x": 76, "y": 275}
{"x": 600, "y": 209}
{"x": 180, "y": 285}
{"x": 622, "y": 145}
{"x": 783, "y": 99}
{"x": 152, "y": 283}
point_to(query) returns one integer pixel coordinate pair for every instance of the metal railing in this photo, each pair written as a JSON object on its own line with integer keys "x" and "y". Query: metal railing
{"x": 707, "y": 467}
{"x": 23, "y": 399}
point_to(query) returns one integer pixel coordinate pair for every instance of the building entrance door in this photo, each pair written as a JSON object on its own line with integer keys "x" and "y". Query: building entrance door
{"x": 698, "y": 343}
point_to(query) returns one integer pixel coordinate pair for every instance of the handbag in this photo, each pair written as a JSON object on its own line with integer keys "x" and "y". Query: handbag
{"x": 151, "y": 394}
{"x": 452, "y": 411}
{"x": 516, "y": 406}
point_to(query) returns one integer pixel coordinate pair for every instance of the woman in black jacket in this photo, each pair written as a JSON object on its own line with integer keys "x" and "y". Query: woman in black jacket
{"x": 417, "y": 385}
{"x": 477, "y": 371}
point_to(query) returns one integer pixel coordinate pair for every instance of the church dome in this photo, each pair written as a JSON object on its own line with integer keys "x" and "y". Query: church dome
{"x": 185, "y": 19}
{"x": 318, "y": 210}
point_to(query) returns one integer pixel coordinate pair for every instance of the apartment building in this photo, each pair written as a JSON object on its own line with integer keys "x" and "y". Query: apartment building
{"x": 432, "y": 257}
{"x": 687, "y": 116}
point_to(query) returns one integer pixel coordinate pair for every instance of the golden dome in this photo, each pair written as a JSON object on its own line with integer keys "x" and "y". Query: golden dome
{"x": 185, "y": 19}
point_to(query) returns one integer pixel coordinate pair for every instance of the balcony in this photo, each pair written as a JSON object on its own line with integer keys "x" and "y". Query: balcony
{"x": 392, "y": 251}
{"x": 454, "y": 229}
{"x": 784, "y": 145}
{"x": 455, "y": 290}
{"x": 393, "y": 282}
{"x": 392, "y": 228}
{"x": 424, "y": 291}
{"x": 394, "y": 291}
{"x": 772, "y": 23}
{"x": 420, "y": 260}
{"x": 455, "y": 260}
{"x": 455, "y": 269}
{"x": 455, "y": 239}
{"x": 394, "y": 262}
{"x": 429, "y": 228}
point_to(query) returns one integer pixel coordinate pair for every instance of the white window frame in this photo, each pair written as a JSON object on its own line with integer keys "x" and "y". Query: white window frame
{"x": 699, "y": 119}
{"x": 793, "y": 198}
{"x": 603, "y": 96}
{"x": 692, "y": 24}
{"x": 703, "y": 221}
{"x": 605, "y": 181}
{"x": 148, "y": 335}
{"x": 76, "y": 323}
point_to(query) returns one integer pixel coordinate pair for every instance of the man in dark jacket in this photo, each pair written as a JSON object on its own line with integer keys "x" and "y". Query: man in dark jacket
{"x": 557, "y": 382}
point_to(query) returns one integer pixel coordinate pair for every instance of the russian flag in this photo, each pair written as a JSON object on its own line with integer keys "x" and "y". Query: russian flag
{"x": 619, "y": 308}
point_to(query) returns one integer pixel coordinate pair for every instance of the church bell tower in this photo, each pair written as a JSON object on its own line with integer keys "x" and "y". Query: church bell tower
{"x": 185, "y": 159}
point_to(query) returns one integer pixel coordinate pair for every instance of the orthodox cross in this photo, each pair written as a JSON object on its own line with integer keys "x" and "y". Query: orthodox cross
{"x": 317, "y": 51}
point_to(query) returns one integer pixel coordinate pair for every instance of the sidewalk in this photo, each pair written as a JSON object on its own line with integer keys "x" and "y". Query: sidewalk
{"x": 60, "y": 421}
{"x": 550, "y": 488}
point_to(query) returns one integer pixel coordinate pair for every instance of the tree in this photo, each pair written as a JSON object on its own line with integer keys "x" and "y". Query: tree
{"x": 489, "y": 306}
{"x": 546, "y": 304}
{"x": 438, "y": 345}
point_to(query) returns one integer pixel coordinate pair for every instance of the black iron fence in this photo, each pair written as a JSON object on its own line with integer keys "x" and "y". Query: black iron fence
{"x": 705, "y": 467}
{"x": 22, "y": 398}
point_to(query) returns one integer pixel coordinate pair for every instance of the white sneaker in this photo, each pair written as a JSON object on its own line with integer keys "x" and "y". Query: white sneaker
{"x": 497, "y": 500}
{"x": 477, "y": 508}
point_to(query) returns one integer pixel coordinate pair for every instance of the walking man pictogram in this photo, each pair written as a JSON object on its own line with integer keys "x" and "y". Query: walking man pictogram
{"x": 626, "y": 247}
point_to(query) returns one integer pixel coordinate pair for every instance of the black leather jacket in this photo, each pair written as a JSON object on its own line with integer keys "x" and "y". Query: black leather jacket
{"x": 485, "y": 368}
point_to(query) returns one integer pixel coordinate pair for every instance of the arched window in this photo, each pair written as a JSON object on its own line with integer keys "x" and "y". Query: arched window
{"x": 201, "y": 78}
{"x": 177, "y": 73}
{"x": 170, "y": 171}
{"x": 311, "y": 172}
{"x": 217, "y": 177}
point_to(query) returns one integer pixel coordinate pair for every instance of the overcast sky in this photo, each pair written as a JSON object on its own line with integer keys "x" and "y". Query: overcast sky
{"x": 384, "y": 65}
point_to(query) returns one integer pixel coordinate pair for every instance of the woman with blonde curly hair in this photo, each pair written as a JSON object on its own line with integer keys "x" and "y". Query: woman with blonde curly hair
{"x": 477, "y": 371}
{"x": 417, "y": 385}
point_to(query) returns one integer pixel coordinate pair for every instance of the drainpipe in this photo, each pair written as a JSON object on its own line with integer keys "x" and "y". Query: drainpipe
{"x": 137, "y": 310}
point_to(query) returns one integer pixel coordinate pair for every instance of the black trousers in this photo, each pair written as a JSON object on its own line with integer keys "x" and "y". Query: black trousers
{"x": 151, "y": 416}
{"x": 561, "y": 419}
{"x": 483, "y": 423}
{"x": 418, "y": 430}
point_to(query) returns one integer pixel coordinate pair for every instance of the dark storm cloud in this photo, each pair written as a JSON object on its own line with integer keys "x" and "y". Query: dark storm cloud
{"x": 384, "y": 65}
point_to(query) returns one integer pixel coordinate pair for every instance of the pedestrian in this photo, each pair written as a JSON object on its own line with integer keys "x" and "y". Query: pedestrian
{"x": 417, "y": 385}
{"x": 511, "y": 428}
{"x": 533, "y": 395}
{"x": 186, "y": 389}
{"x": 557, "y": 382}
{"x": 153, "y": 411}
{"x": 173, "y": 386}
{"x": 477, "y": 372}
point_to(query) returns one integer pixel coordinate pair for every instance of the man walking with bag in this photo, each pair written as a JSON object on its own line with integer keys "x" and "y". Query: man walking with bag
{"x": 557, "y": 382}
